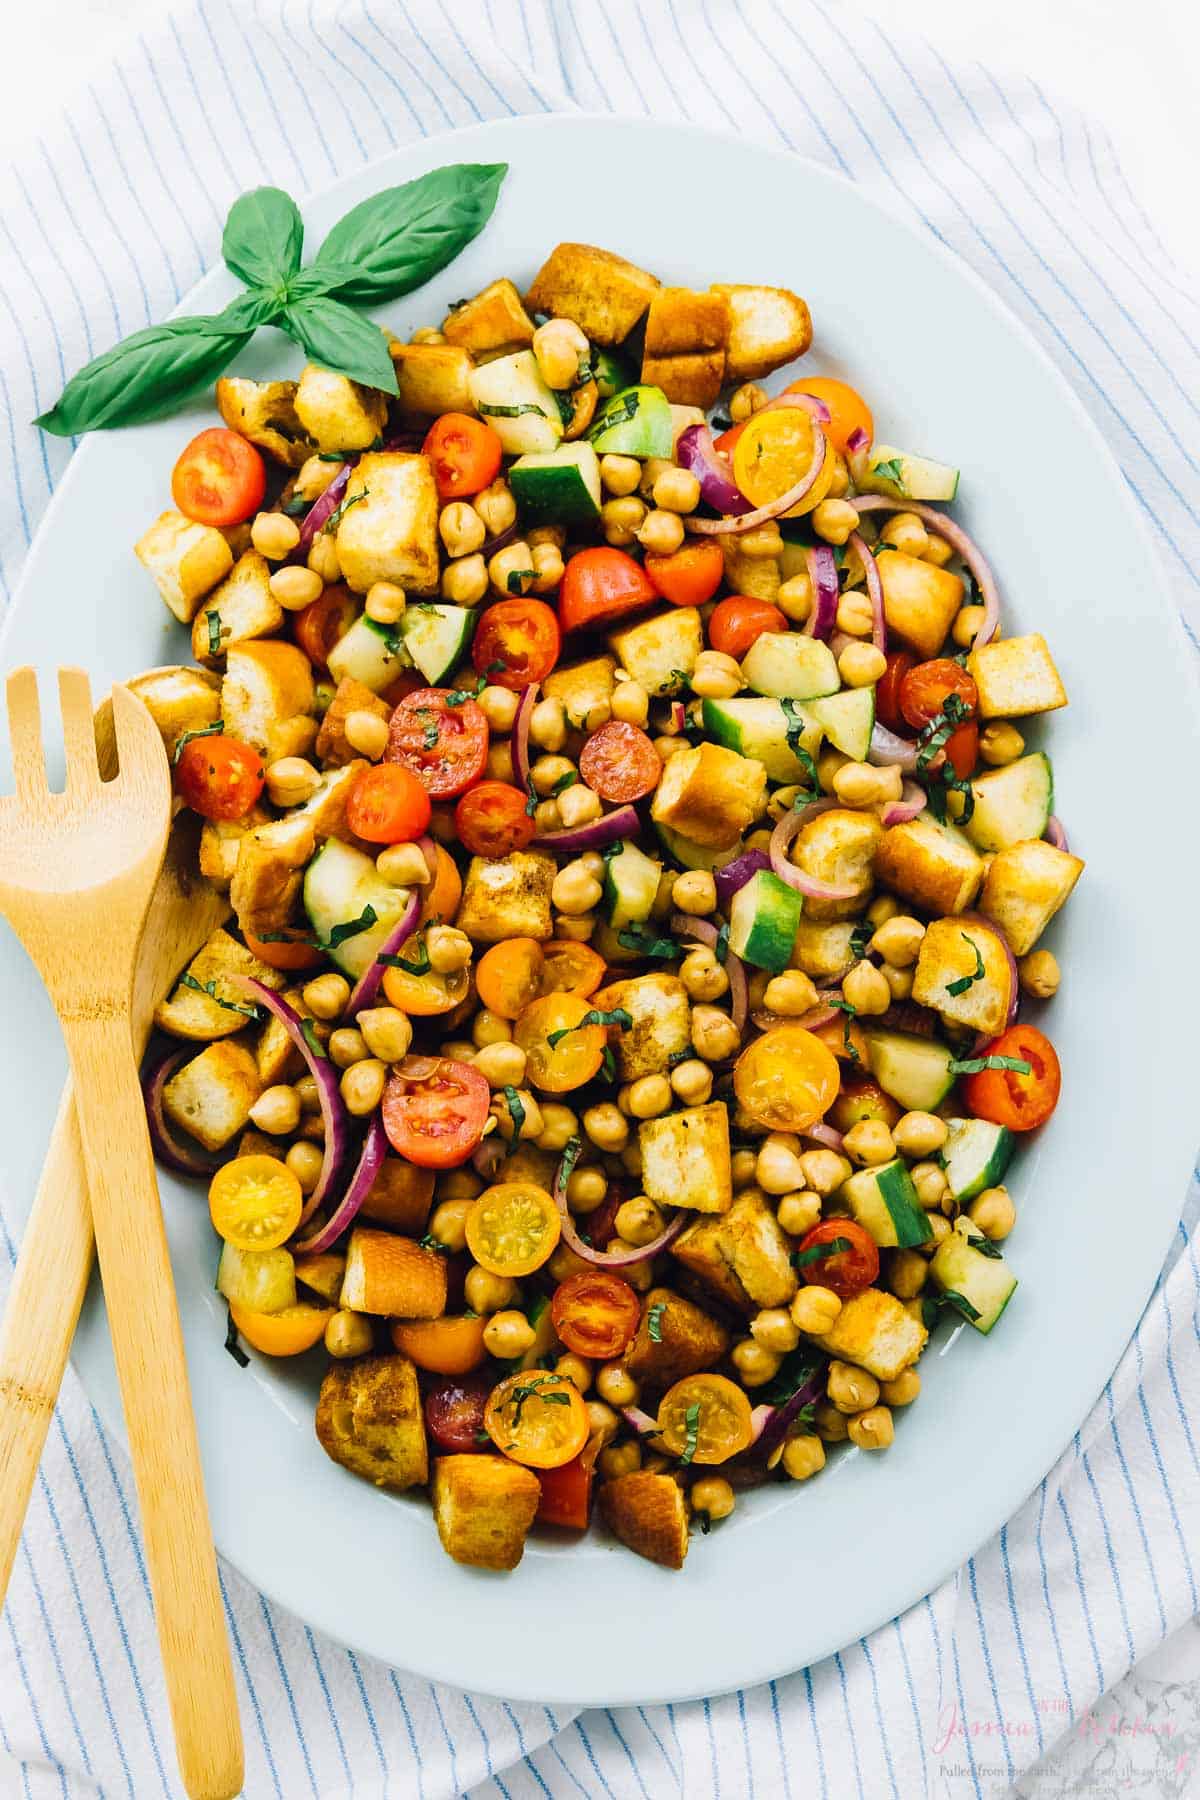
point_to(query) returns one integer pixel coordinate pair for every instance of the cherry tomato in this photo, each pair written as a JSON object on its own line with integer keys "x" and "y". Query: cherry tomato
{"x": 513, "y": 1228}
{"x": 491, "y": 819}
{"x": 387, "y": 805}
{"x": 925, "y": 689}
{"x": 323, "y": 621}
{"x": 887, "y": 690}
{"x": 509, "y": 976}
{"x": 690, "y": 576}
{"x": 287, "y": 1333}
{"x": 862, "y": 1100}
{"x": 787, "y": 1079}
{"x": 445, "y": 1346}
{"x": 962, "y": 749}
{"x": 567, "y": 1491}
{"x": 219, "y": 777}
{"x": 555, "y": 1063}
{"x": 454, "y": 1412}
{"x": 427, "y": 995}
{"x": 706, "y": 1418}
{"x": 737, "y": 622}
{"x": 220, "y": 479}
{"x": 845, "y": 1272}
{"x": 465, "y": 454}
{"x": 1006, "y": 1097}
{"x": 571, "y": 968}
{"x": 434, "y": 1111}
{"x": 444, "y": 746}
{"x": 523, "y": 636}
{"x": 726, "y": 442}
{"x": 255, "y": 1202}
{"x": 537, "y": 1418}
{"x": 848, "y": 410}
{"x": 772, "y": 454}
{"x": 620, "y": 763}
{"x": 600, "y": 585}
{"x": 298, "y": 952}
{"x": 440, "y": 899}
{"x": 595, "y": 1313}
{"x": 408, "y": 681}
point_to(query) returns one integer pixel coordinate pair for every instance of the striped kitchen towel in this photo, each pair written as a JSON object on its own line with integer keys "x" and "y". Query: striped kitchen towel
{"x": 105, "y": 222}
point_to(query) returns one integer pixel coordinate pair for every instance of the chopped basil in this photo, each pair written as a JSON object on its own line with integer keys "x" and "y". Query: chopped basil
{"x": 572, "y": 1150}
{"x": 795, "y": 1371}
{"x": 516, "y": 1113}
{"x": 429, "y": 1242}
{"x": 332, "y": 456}
{"x": 681, "y": 676}
{"x": 721, "y": 422}
{"x": 851, "y": 1012}
{"x": 618, "y": 1016}
{"x": 515, "y": 580}
{"x": 210, "y": 988}
{"x": 562, "y": 784}
{"x": 974, "y": 1065}
{"x": 950, "y": 1300}
{"x": 214, "y": 631}
{"x": 654, "y": 1321}
{"x": 818, "y": 1252}
{"x": 350, "y": 928}
{"x": 339, "y": 512}
{"x": 429, "y": 725}
{"x": 497, "y": 667}
{"x": 704, "y": 1522}
{"x": 531, "y": 799}
{"x": 678, "y": 1056}
{"x": 231, "y": 1342}
{"x": 295, "y": 506}
{"x": 892, "y": 470}
{"x": 513, "y": 412}
{"x": 860, "y": 939}
{"x": 419, "y": 965}
{"x": 608, "y": 1065}
{"x": 721, "y": 947}
{"x": 966, "y": 981}
{"x": 457, "y": 695}
{"x": 636, "y": 937}
{"x": 795, "y": 731}
{"x": 692, "y": 1424}
{"x": 618, "y": 412}
{"x": 942, "y": 726}
{"x": 185, "y": 737}
{"x": 985, "y": 1247}
{"x": 309, "y": 1030}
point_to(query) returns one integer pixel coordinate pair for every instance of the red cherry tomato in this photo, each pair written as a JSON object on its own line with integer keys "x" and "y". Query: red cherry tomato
{"x": 736, "y": 623}
{"x": 465, "y": 454}
{"x": 220, "y": 479}
{"x": 690, "y": 576}
{"x": 297, "y": 952}
{"x": 620, "y": 763}
{"x": 848, "y": 1271}
{"x": 887, "y": 690}
{"x": 444, "y": 746}
{"x": 520, "y": 635}
{"x": 567, "y": 1491}
{"x": 600, "y": 585}
{"x": 925, "y": 689}
{"x": 219, "y": 777}
{"x": 595, "y": 1313}
{"x": 1007, "y": 1097}
{"x": 326, "y": 619}
{"x": 962, "y": 750}
{"x": 434, "y": 1111}
{"x": 454, "y": 1410}
{"x": 491, "y": 819}
{"x": 388, "y": 805}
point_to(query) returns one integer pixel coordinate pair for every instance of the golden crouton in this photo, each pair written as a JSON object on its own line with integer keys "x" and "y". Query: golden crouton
{"x": 190, "y": 1011}
{"x": 185, "y": 559}
{"x": 929, "y": 863}
{"x": 179, "y": 700}
{"x": 325, "y": 810}
{"x": 1024, "y": 888}
{"x": 433, "y": 378}
{"x": 758, "y": 577}
{"x": 649, "y": 1514}
{"x": 685, "y": 1158}
{"x": 268, "y": 873}
{"x": 267, "y": 684}
{"x": 822, "y": 947}
{"x": 604, "y": 294}
{"x": 393, "y": 1276}
{"x": 661, "y": 651}
{"x": 508, "y": 896}
{"x": 662, "y": 1023}
{"x": 264, "y": 412}
{"x": 483, "y": 1506}
{"x": 838, "y": 846}
{"x": 694, "y": 378}
{"x": 400, "y": 1196}
{"x": 768, "y": 326}
{"x": 257, "y": 1143}
{"x": 275, "y": 1055}
{"x": 951, "y": 952}
{"x": 388, "y": 525}
{"x": 494, "y": 323}
{"x": 332, "y": 747}
{"x": 875, "y": 1331}
{"x": 211, "y": 1096}
{"x": 710, "y": 794}
{"x": 369, "y": 1419}
{"x": 585, "y": 688}
{"x": 322, "y": 1271}
{"x": 528, "y": 1163}
{"x": 244, "y": 607}
{"x": 219, "y": 840}
{"x": 687, "y": 1340}
{"x": 919, "y": 600}
{"x": 1016, "y": 677}
{"x": 743, "y": 1256}
{"x": 337, "y": 413}
{"x": 681, "y": 319}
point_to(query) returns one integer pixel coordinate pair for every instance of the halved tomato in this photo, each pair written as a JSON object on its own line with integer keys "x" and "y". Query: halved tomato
{"x": 465, "y": 453}
{"x": 513, "y": 1228}
{"x": 689, "y": 576}
{"x": 509, "y": 976}
{"x": 738, "y": 621}
{"x": 705, "y": 1419}
{"x": 439, "y": 901}
{"x": 420, "y": 991}
{"x": 848, "y": 411}
{"x": 561, "y": 1052}
{"x": 569, "y": 967}
{"x": 492, "y": 819}
{"x": 291, "y": 948}
{"x": 787, "y": 1079}
{"x": 772, "y": 454}
{"x": 847, "y": 1270}
{"x": 620, "y": 763}
{"x": 434, "y": 1110}
{"x": 522, "y": 637}
{"x": 454, "y": 1412}
{"x": 1022, "y": 1099}
{"x": 537, "y": 1418}
{"x": 451, "y": 1345}
{"x": 444, "y": 746}
{"x": 219, "y": 777}
{"x": 567, "y": 1491}
{"x": 220, "y": 478}
{"x": 862, "y": 1100}
{"x": 287, "y": 1333}
{"x": 595, "y": 1313}
{"x": 324, "y": 621}
{"x": 255, "y": 1202}
{"x": 599, "y": 585}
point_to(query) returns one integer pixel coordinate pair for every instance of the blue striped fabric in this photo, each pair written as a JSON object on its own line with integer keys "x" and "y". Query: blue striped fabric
{"x": 106, "y": 221}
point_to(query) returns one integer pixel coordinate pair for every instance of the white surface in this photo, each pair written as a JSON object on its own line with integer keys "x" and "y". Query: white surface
{"x": 982, "y": 393}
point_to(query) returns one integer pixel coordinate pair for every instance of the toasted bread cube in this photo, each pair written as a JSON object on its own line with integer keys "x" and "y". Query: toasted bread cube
{"x": 768, "y": 326}
{"x": 648, "y": 1513}
{"x": 604, "y": 294}
{"x": 661, "y": 651}
{"x": 275, "y": 1055}
{"x": 694, "y": 378}
{"x": 186, "y": 560}
{"x": 369, "y": 1419}
{"x": 929, "y": 863}
{"x": 875, "y": 1332}
{"x": 584, "y": 688}
{"x": 710, "y": 794}
{"x": 919, "y": 600}
{"x": 325, "y": 810}
{"x": 189, "y": 1012}
{"x": 838, "y": 846}
{"x": 337, "y": 413}
{"x": 822, "y": 947}
{"x": 483, "y": 1507}
{"x": 528, "y": 1163}
{"x": 1024, "y": 888}
{"x": 687, "y": 1341}
{"x": 681, "y": 319}
{"x": 245, "y": 608}
{"x": 264, "y": 412}
{"x": 433, "y": 378}
{"x": 947, "y": 958}
{"x": 211, "y": 1096}
{"x": 685, "y": 1158}
{"x": 322, "y": 1271}
{"x": 493, "y": 323}
{"x": 401, "y": 1195}
{"x": 758, "y": 577}
{"x": 179, "y": 700}
{"x": 508, "y": 896}
{"x": 743, "y": 1256}
{"x": 268, "y": 873}
{"x": 332, "y": 747}
{"x": 257, "y": 1143}
{"x": 266, "y": 686}
{"x": 1016, "y": 677}
{"x": 219, "y": 842}
{"x": 393, "y": 1276}
{"x": 662, "y": 1023}
{"x": 388, "y": 528}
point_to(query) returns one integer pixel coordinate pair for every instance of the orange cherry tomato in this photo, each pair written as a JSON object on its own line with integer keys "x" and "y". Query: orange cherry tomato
{"x": 772, "y": 454}
{"x": 440, "y": 899}
{"x": 287, "y": 1333}
{"x": 846, "y": 1271}
{"x": 571, "y": 968}
{"x": 407, "y": 682}
{"x": 220, "y": 479}
{"x": 887, "y": 690}
{"x": 726, "y": 441}
{"x": 561, "y": 1052}
{"x": 537, "y": 1418}
{"x": 465, "y": 453}
{"x": 595, "y": 1313}
{"x": 843, "y": 1038}
{"x": 962, "y": 750}
{"x": 862, "y": 1100}
{"x": 423, "y": 994}
{"x": 509, "y": 976}
{"x": 448, "y": 1346}
{"x": 600, "y": 585}
{"x": 567, "y": 1491}
{"x": 848, "y": 410}
{"x": 620, "y": 763}
{"x": 925, "y": 689}
{"x": 522, "y": 636}
{"x": 513, "y": 1228}
{"x": 434, "y": 1110}
{"x": 1008, "y": 1096}
{"x": 705, "y": 1418}
{"x": 255, "y": 1202}
{"x": 323, "y": 621}
{"x": 690, "y": 576}
{"x": 219, "y": 777}
{"x": 387, "y": 805}
{"x": 491, "y": 819}
{"x": 444, "y": 746}
{"x": 737, "y": 622}
{"x": 787, "y": 1079}
{"x": 297, "y": 952}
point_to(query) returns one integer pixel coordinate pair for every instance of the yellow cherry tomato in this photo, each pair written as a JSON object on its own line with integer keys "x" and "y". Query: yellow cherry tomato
{"x": 848, "y": 411}
{"x": 424, "y": 996}
{"x": 287, "y": 1333}
{"x": 787, "y": 1079}
{"x": 255, "y": 1202}
{"x": 513, "y": 1228}
{"x": 772, "y": 454}
{"x": 537, "y": 1418}
{"x": 705, "y": 1419}
{"x": 561, "y": 1052}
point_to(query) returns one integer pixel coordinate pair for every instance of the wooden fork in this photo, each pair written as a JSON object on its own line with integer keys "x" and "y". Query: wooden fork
{"x": 77, "y": 872}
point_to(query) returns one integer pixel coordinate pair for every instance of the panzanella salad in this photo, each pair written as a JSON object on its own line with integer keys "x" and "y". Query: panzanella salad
{"x": 636, "y": 871}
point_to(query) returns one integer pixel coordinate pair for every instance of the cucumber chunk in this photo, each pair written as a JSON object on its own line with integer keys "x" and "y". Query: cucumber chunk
{"x": 985, "y": 1281}
{"x": 885, "y": 1203}
{"x": 975, "y": 1155}
{"x": 635, "y": 422}
{"x": 694, "y": 856}
{"x": 760, "y": 728}
{"x": 630, "y": 886}
{"x": 790, "y": 666}
{"x": 903, "y": 476}
{"x": 557, "y": 487}
{"x": 436, "y": 638}
{"x": 513, "y": 398}
{"x": 370, "y": 653}
{"x": 848, "y": 720}
{"x": 339, "y": 883}
{"x": 763, "y": 916}
{"x": 915, "y": 1071}
{"x": 609, "y": 372}
{"x": 1012, "y": 804}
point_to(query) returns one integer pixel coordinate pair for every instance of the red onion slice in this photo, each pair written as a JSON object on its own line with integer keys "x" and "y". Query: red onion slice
{"x": 787, "y": 871}
{"x": 639, "y": 1421}
{"x": 887, "y": 748}
{"x": 857, "y": 441}
{"x": 874, "y": 589}
{"x": 913, "y": 801}
{"x": 487, "y": 1156}
{"x": 1054, "y": 833}
{"x": 775, "y": 508}
{"x": 622, "y": 823}
{"x": 770, "y": 1433}
{"x": 684, "y": 925}
{"x": 519, "y": 742}
{"x": 323, "y": 509}
{"x": 676, "y": 719}
{"x": 337, "y": 1124}
{"x": 806, "y": 402}
{"x": 823, "y": 579}
{"x": 737, "y": 873}
{"x": 375, "y": 1148}
{"x": 954, "y": 534}
{"x": 697, "y": 452}
{"x": 821, "y": 1133}
{"x": 366, "y": 987}
{"x": 608, "y": 1259}
{"x": 170, "y": 1151}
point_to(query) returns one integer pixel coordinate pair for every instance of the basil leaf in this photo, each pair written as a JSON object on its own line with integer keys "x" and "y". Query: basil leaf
{"x": 398, "y": 239}
{"x": 645, "y": 943}
{"x": 257, "y": 306}
{"x": 837, "y": 1246}
{"x": 210, "y": 988}
{"x": 654, "y": 1321}
{"x": 337, "y": 338}
{"x": 516, "y": 1112}
{"x": 692, "y": 1423}
{"x": 145, "y": 375}
{"x": 203, "y": 731}
{"x": 232, "y": 1344}
{"x": 308, "y": 1030}
{"x": 263, "y": 237}
{"x": 966, "y": 981}
{"x": 618, "y": 1016}
{"x": 974, "y": 1065}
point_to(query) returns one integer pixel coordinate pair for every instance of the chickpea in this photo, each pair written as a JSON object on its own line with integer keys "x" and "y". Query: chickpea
{"x": 326, "y": 996}
{"x": 461, "y": 529}
{"x": 854, "y": 615}
{"x": 447, "y": 948}
{"x": 791, "y": 994}
{"x": 564, "y": 1263}
{"x": 716, "y": 676}
{"x": 274, "y": 535}
{"x": 774, "y": 1330}
{"x": 747, "y": 400}
{"x": 900, "y": 981}
{"x": 702, "y": 975}
{"x": 712, "y": 1498}
{"x": 869, "y": 1143}
{"x": 695, "y": 892}
{"x": 620, "y": 475}
{"x": 898, "y": 940}
{"x": 307, "y": 1093}
{"x": 465, "y": 582}
{"x": 499, "y": 707}
{"x": 603, "y": 1422}
{"x": 630, "y": 703}
{"x": 803, "y": 1456}
{"x": 385, "y": 603}
{"x": 850, "y": 1388}
{"x": 619, "y": 1459}
{"x": 1039, "y": 973}
{"x": 649, "y": 1097}
{"x": 866, "y": 990}
{"x": 824, "y": 1170}
{"x": 622, "y": 519}
{"x": 496, "y": 507}
{"x": 586, "y": 1189}
{"x": 938, "y": 551}
{"x": 579, "y": 805}
{"x": 607, "y": 1126}
{"x": 965, "y": 628}
{"x": 306, "y": 1162}
{"x": 907, "y": 1274}
{"x": 641, "y": 1277}
{"x": 639, "y": 1221}
{"x": 919, "y": 1134}
{"x": 548, "y": 725}
{"x": 677, "y": 491}
{"x": 323, "y": 559}
{"x": 993, "y": 1213}
{"x": 574, "y": 890}
{"x": 487, "y": 1293}
{"x": 652, "y": 468}
{"x": 546, "y": 816}
{"x": 834, "y": 520}
{"x": 872, "y": 1429}
{"x": 349, "y": 1334}
{"x": 1000, "y": 743}
{"x": 547, "y": 568}
{"x": 794, "y": 598}
{"x": 778, "y": 1169}
{"x": 448, "y": 1223}
{"x": 904, "y": 531}
{"x": 510, "y": 570}
{"x": 741, "y": 1170}
{"x": 861, "y": 665}
{"x": 828, "y": 764}
{"x": 861, "y": 784}
{"x": 692, "y": 1081}
{"x": 580, "y": 928}
{"x": 798, "y": 1212}
{"x": 754, "y": 1363}
{"x": 714, "y": 1034}
{"x": 428, "y": 334}
{"x": 291, "y": 781}
{"x": 508, "y": 1334}
{"x": 929, "y": 1179}
{"x": 362, "y": 1087}
{"x": 346, "y": 1046}
{"x": 276, "y": 1111}
{"x": 883, "y": 908}
{"x": 367, "y": 733}
{"x": 829, "y": 1424}
{"x": 295, "y": 587}
{"x": 500, "y": 763}
{"x": 561, "y": 350}
{"x": 503, "y": 1112}
{"x": 615, "y": 1384}
{"x": 661, "y": 532}
{"x": 459, "y": 1184}
{"x": 902, "y": 1391}
{"x": 501, "y": 1065}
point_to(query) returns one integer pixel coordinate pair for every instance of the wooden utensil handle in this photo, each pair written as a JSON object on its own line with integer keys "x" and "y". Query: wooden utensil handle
{"x": 139, "y": 1297}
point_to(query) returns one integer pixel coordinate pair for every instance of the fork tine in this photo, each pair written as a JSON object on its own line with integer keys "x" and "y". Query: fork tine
{"x": 141, "y": 755}
{"x": 25, "y": 736}
{"x": 79, "y": 731}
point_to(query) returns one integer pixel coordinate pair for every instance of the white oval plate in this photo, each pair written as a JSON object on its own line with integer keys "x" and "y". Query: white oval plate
{"x": 797, "y": 1573}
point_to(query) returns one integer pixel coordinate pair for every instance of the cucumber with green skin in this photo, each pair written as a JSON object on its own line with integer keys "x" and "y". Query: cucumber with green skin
{"x": 609, "y": 372}
{"x": 885, "y": 1203}
{"x": 902, "y": 476}
{"x": 435, "y": 638}
{"x": 557, "y": 487}
{"x": 763, "y": 916}
{"x": 370, "y": 653}
{"x": 848, "y": 719}
{"x": 984, "y": 1280}
{"x": 339, "y": 884}
{"x": 1012, "y": 804}
{"x": 630, "y": 886}
{"x": 635, "y": 422}
{"x": 694, "y": 856}
{"x": 763, "y": 729}
{"x": 975, "y": 1156}
{"x": 915, "y": 1071}
{"x": 789, "y": 666}
{"x": 515, "y": 401}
